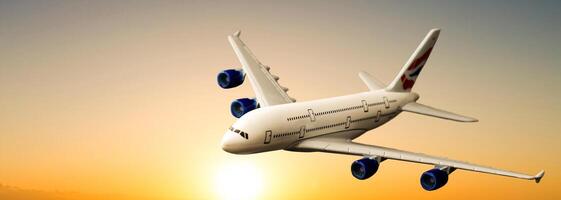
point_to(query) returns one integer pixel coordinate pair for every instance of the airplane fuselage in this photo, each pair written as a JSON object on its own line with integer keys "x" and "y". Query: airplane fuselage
{"x": 280, "y": 126}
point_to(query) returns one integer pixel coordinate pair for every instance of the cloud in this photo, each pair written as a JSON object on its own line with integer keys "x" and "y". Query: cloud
{"x": 16, "y": 193}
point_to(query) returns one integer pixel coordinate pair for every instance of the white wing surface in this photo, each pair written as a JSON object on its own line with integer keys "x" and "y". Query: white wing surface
{"x": 267, "y": 90}
{"x": 434, "y": 112}
{"x": 372, "y": 83}
{"x": 343, "y": 146}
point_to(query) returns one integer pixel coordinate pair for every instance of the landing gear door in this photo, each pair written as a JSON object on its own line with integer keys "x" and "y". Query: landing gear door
{"x": 268, "y": 136}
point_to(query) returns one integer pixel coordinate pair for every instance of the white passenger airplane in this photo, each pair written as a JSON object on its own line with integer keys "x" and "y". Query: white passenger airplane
{"x": 274, "y": 121}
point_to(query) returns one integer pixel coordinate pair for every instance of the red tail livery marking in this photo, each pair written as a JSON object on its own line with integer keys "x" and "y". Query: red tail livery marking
{"x": 413, "y": 70}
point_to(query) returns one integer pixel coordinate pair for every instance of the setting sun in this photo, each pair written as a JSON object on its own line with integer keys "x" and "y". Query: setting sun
{"x": 238, "y": 181}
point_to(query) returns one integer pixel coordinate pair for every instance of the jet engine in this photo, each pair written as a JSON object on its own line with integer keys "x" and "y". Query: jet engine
{"x": 240, "y": 107}
{"x": 364, "y": 168}
{"x": 434, "y": 179}
{"x": 230, "y": 78}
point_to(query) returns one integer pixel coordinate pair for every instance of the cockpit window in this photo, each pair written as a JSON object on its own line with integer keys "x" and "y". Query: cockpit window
{"x": 244, "y": 134}
{"x": 241, "y": 133}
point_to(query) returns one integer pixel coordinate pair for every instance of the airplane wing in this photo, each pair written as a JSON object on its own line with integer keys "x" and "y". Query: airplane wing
{"x": 267, "y": 90}
{"x": 344, "y": 146}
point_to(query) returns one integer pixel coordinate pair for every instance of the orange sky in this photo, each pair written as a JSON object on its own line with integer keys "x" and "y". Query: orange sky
{"x": 119, "y": 100}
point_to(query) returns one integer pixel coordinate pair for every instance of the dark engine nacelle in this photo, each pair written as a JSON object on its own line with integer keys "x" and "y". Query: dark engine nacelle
{"x": 364, "y": 168}
{"x": 240, "y": 107}
{"x": 230, "y": 78}
{"x": 434, "y": 179}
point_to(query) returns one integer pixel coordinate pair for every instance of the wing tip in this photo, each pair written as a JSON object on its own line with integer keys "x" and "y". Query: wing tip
{"x": 539, "y": 176}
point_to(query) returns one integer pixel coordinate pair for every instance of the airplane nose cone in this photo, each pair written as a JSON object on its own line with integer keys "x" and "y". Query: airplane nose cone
{"x": 228, "y": 143}
{"x": 234, "y": 143}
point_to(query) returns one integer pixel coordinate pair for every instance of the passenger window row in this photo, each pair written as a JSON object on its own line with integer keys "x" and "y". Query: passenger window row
{"x": 241, "y": 133}
{"x": 324, "y": 127}
{"x": 332, "y": 125}
{"x": 285, "y": 134}
{"x": 381, "y": 103}
{"x": 375, "y": 104}
{"x": 373, "y": 117}
{"x": 298, "y": 117}
{"x": 339, "y": 110}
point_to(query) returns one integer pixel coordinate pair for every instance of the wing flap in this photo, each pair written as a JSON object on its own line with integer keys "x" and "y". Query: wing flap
{"x": 342, "y": 146}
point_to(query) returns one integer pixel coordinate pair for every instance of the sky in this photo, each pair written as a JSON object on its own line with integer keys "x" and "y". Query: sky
{"x": 118, "y": 99}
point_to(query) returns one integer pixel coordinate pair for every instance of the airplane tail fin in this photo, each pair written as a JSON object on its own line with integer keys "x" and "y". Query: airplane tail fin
{"x": 405, "y": 80}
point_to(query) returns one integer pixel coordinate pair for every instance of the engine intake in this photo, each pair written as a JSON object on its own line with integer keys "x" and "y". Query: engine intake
{"x": 240, "y": 107}
{"x": 434, "y": 179}
{"x": 230, "y": 78}
{"x": 364, "y": 168}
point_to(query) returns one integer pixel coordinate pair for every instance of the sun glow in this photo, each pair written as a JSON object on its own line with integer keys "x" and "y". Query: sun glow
{"x": 238, "y": 181}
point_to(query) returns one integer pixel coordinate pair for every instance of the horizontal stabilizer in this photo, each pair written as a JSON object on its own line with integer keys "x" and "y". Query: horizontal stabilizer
{"x": 372, "y": 83}
{"x": 430, "y": 111}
